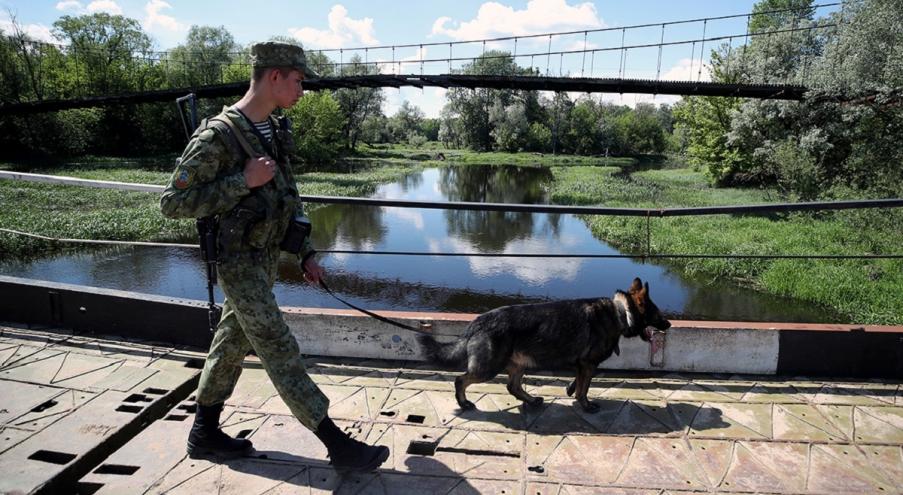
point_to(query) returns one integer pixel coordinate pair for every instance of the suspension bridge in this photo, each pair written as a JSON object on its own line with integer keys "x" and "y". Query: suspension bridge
{"x": 631, "y": 59}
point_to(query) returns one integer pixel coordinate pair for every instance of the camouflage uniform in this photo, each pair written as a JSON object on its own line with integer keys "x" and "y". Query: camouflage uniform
{"x": 209, "y": 180}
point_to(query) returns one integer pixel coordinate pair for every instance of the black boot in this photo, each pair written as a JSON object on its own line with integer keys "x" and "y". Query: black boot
{"x": 346, "y": 453}
{"x": 207, "y": 439}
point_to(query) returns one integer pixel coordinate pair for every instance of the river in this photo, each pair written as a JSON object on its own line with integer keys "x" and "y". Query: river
{"x": 437, "y": 283}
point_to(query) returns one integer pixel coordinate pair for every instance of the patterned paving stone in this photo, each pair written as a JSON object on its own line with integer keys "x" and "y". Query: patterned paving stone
{"x": 670, "y": 434}
{"x": 66, "y": 399}
{"x": 660, "y": 434}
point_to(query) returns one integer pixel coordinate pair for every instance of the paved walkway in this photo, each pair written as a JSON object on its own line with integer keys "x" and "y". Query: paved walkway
{"x": 663, "y": 433}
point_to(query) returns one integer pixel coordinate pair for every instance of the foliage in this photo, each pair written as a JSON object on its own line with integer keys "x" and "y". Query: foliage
{"x": 855, "y": 290}
{"x": 472, "y": 106}
{"x": 769, "y": 15}
{"x": 450, "y": 132}
{"x": 105, "y": 45}
{"x": 359, "y": 103}
{"x": 205, "y": 58}
{"x": 510, "y": 128}
{"x": 406, "y": 123}
{"x": 808, "y": 149}
{"x": 318, "y": 122}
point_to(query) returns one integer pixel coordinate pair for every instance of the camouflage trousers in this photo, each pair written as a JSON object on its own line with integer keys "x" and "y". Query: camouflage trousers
{"x": 252, "y": 320}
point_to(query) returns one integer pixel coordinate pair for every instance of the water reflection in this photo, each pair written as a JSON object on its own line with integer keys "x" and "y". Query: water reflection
{"x": 492, "y": 231}
{"x": 462, "y": 284}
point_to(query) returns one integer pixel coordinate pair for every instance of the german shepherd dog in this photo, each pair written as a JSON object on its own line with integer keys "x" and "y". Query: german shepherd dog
{"x": 579, "y": 332}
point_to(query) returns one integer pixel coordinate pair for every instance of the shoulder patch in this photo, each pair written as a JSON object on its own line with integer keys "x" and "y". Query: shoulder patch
{"x": 183, "y": 177}
{"x": 206, "y": 135}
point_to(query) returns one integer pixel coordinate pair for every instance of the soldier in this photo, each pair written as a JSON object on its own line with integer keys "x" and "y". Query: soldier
{"x": 236, "y": 166}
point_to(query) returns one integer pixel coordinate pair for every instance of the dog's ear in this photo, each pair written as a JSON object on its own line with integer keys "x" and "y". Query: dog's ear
{"x": 636, "y": 286}
{"x": 646, "y": 289}
{"x": 617, "y": 349}
{"x": 638, "y": 294}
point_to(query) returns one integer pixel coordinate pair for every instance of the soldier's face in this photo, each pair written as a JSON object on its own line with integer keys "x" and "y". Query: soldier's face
{"x": 288, "y": 89}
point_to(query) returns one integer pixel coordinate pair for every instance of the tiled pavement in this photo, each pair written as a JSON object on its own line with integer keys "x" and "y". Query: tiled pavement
{"x": 662, "y": 433}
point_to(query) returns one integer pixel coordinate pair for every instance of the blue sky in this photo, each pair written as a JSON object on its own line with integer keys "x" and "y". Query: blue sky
{"x": 372, "y": 23}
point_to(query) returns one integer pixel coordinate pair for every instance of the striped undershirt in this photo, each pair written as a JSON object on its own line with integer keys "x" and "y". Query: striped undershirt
{"x": 265, "y": 129}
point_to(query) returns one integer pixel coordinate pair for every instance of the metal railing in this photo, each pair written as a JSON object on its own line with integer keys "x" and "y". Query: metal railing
{"x": 644, "y": 213}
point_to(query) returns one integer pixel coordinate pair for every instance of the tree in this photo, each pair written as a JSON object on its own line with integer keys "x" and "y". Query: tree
{"x": 472, "y": 106}
{"x": 204, "y": 58}
{"x": 705, "y": 121}
{"x": 639, "y": 131}
{"x": 539, "y": 138}
{"x": 357, "y": 104}
{"x": 583, "y": 135}
{"x": 317, "y": 133}
{"x": 107, "y": 46}
{"x": 510, "y": 128}
{"x": 430, "y": 129}
{"x": 406, "y": 123}
{"x": 559, "y": 121}
{"x": 768, "y": 15}
{"x": 815, "y": 147}
{"x": 375, "y": 129}
{"x": 832, "y": 145}
{"x": 449, "y": 128}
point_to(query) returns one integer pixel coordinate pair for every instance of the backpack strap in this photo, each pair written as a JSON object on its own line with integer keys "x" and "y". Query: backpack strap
{"x": 237, "y": 134}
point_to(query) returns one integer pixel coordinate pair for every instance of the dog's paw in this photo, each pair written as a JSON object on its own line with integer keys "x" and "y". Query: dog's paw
{"x": 467, "y": 405}
{"x": 572, "y": 388}
{"x": 590, "y": 407}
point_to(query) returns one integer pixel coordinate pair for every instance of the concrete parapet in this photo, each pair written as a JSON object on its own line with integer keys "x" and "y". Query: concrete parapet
{"x": 689, "y": 346}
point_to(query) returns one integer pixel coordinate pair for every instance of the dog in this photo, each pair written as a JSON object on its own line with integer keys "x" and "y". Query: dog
{"x": 579, "y": 332}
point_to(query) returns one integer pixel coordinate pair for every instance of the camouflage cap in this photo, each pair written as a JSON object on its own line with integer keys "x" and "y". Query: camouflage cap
{"x": 277, "y": 54}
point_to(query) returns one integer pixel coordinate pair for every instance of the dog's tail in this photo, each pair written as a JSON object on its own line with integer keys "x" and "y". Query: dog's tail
{"x": 450, "y": 354}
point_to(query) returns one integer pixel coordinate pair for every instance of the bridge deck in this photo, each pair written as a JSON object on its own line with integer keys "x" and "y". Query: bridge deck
{"x": 113, "y": 416}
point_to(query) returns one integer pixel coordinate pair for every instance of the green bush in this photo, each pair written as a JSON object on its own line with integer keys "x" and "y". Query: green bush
{"x": 317, "y": 125}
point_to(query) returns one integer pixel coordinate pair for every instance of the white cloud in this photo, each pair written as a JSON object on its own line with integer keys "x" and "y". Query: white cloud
{"x": 534, "y": 271}
{"x": 38, "y": 32}
{"x": 687, "y": 70}
{"x": 403, "y": 65}
{"x": 413, "y": 218}
{"x": 69, "y": 5}
{"x": 430, "y": 100}
{"x": 108, "y": 6}
{"x": 343, "y": 31}
{"x": 580, "y": 45}
{"x": 155, "y": 19}
{"x": 494, "y": 19}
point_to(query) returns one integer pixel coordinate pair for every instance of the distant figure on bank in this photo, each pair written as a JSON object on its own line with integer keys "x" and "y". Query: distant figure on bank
{"x": 236, "y": 167}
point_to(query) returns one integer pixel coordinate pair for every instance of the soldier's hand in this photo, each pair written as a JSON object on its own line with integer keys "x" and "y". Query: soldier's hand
{"x": 259, "y": 171}
{"x": 313, "y": 272}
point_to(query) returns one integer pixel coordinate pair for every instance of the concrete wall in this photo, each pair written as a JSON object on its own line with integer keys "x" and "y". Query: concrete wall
{"x": 689, "y": 346}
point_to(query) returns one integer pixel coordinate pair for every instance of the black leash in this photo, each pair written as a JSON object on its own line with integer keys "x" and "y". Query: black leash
{"x": 424, "y": 327}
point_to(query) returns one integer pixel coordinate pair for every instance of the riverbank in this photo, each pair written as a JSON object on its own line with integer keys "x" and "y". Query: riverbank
{"x": 438, "y": 157}
{"x": 85, "y": 213}
{"x": 867, "y": 291}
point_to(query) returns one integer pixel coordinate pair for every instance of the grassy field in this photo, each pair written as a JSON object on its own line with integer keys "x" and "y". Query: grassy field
{"x": 867, "y": 291}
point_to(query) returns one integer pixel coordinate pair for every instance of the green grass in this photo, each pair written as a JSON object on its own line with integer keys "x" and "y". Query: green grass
{"x": 866, "y": 291}
{"x": 86, "y": 213}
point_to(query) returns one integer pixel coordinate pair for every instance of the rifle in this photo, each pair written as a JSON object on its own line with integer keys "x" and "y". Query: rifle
{"x": 207, "y": 226}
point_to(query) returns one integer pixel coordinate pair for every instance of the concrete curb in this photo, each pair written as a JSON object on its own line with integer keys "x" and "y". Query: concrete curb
{"x": 689, "y": 346}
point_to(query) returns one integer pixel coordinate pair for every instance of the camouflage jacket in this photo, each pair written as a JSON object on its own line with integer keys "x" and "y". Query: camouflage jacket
{"x": 209, "y": 180}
